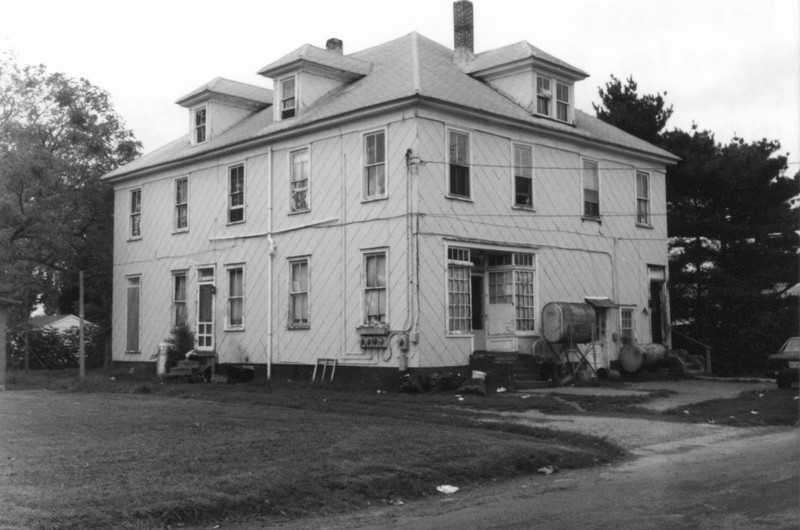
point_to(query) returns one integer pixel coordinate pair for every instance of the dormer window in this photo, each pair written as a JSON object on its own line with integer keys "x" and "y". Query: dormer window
{"x": 562, "y": 102}
{"x": 288, "y": 98}
{"x": 200, "y": 134}
{"x": 543, "y": 95}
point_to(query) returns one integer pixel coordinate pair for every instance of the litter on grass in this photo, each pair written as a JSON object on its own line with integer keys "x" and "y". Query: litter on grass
{"x": 395, "y": 501}
{"x": 447, "y": 489}
{"x": 500, "y": 390}
{"x": 547, "y": 470}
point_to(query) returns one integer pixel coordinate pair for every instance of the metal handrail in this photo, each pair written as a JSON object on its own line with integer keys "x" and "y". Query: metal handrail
{"x": 704, "y": 345}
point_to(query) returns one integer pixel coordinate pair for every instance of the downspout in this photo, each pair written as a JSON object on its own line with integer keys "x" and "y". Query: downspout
{"x": 343, "y": 285}
{"x": 271, "y": 244}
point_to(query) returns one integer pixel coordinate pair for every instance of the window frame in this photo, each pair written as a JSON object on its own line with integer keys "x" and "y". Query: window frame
{"x": 584, "y": 215}
{"x": 197, "y": 129}
{"x": 365, "y": 288}
{"x": 285, "y": 113}
{"x": 231, "y": 193}
{"x": 178, "y": 205}
{"x": 366, "y": 165}
{"x": 623, "y": 328}
{"x": 646, "y": 220}
{"x": 566, "y": 104}
{"x": 292, "y": 323}
{"x": 544, "y": 95}
{"x": 515, "y": 170}
{"x": 231, "y": 297}
{"x": 176, "y": 301}
{"x": 133, "y": 281}
{"x": 135, "y": 214}
{"x": 458, "y": 270}
{"x": 450, "y": 194}
{"x": 292, "y": 180}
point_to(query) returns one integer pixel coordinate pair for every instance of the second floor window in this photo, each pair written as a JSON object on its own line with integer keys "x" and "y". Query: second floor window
{"x": 182, "y": 203}
{"x": 543, "y": 95}
{"x": 136, "y": 214}
{"x": 200, "y": 125}
{"x": 236, "y": 194}
{"x": 642, "y": 198}
{"x": 288, "y": 98}
{"x": 458, "y": 159}
{"x": 591, "y": 189}
{"x": 562, "y": 102}
{"x": 375, "y": 165}
{"x": 523, "y": 176}
{"x": 300, "y": 181}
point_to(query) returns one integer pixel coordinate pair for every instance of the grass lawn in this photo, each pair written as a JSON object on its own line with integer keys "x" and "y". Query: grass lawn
{"x": 137, "y": 454}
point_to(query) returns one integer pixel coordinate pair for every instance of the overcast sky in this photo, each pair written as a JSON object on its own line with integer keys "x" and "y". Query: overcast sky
{"x": 731, "y": 66}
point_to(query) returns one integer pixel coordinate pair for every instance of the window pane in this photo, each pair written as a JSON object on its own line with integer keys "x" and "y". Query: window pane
{"x": 132, "y": 335}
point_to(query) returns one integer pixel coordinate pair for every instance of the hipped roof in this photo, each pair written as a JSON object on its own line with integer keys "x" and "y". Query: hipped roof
{"x": 407, "y": 67}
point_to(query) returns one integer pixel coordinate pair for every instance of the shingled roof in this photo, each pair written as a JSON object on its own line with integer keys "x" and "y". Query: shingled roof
{"x": 408, "y": 67}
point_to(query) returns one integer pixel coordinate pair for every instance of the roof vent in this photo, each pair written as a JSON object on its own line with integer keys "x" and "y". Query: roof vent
{"x": 335, "y": 45}
{"x": 463, "y": 31}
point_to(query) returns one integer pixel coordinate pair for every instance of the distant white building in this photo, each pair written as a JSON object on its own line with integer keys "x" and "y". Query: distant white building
{"x": 57, "y": 322}
{"x": 401, "y": 206}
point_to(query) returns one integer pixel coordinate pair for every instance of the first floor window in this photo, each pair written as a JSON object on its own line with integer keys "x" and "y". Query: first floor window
{"x": 524, "y": 300}
{"x": 298, "y": 294}
{"x": 642, "y": 198}
{"x": 626, "y": 326}
{"x": 523, "y": 176}
{"x": 458, "y": 158}
{"x": 375, "y": 165}
{"x": 459, "y": 291}
{"x": 591, "y": 189}
{"x": 300, "y": 175}
{"x": 236, "y": 297}
{"x": 182, "y": 203}
{"x": 133, "y": 301}
{"x": 179, "y": 317}
{"x": 136, "y": 213}
{"x": 236, "y": 194}
{"x": 375, "y": 306}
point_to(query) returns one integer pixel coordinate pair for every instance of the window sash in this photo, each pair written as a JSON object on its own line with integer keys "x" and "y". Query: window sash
{"x": 375, "y": 292}
{"x": 591, "y": 189}
{"x": 562, "y": 102}
{"x": 626, "y": 326}
{"x": 132, "y": 317}
{"x": 200, "y": 125}
{"x": 298, "y": 293}
{"x": 288, "y": 97}
{"x": 236, "y": 194}
{"x": 136, "y": 213}
{"x": 236, "y": 297}
{"x": 375, "y": 164}
{"x": 182, "y": 203}
{"x": 525, "y": 300}
{"x": 180, "y": 316}
{"x": 642, "y": 198}
{"x": 459, "y": 299}
{"x": 523, "y": 176}
{"x": 543, "y": 95}
{"x": 300, "y": 180}
{"x": 458, "y": 158}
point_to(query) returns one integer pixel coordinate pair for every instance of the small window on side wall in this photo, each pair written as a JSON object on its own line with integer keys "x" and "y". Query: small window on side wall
{"x": 523, "y": 176}
{"x": 643, "y": 198}
{"x": 591, "y": 189}
{"x": 562, "y": 102}
{"x": 236, "y": 194}
{"x": 300, "y": 180}
{"x": 375, "y": 165}
{"x": 298, "y": 294}
{"x": 136, "y": 214}
{"x": 458, "y": 165}
{"x": 375, "y": 288}
{"x": 181, "y": 204}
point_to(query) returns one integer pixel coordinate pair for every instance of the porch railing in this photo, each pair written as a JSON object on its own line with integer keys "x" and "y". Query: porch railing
{"x": 703, "y": 345}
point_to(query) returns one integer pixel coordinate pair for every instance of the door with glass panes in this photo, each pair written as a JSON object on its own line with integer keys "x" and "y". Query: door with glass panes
{"x": 204, "y": 337}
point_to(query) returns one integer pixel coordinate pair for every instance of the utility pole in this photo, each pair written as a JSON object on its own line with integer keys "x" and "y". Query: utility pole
{"x": 82, "y": 355}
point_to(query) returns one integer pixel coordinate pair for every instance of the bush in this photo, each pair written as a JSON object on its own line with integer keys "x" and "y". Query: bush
{"x": 180, "y": 341}
{"x": 53, "y": 349}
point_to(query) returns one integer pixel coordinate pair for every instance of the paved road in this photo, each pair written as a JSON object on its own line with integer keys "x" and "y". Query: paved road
{"x": 728, "y": 479}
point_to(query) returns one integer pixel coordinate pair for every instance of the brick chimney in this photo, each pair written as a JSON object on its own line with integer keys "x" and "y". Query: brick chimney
{"x": 463, "y": 32}
{"x": 335, "y": 45}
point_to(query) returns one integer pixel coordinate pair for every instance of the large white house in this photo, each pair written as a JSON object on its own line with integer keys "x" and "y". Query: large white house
{"x": 401, "y": 207}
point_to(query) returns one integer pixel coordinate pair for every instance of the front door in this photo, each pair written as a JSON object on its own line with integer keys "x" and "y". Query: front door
{"x": 478, "y": 314}
{"x": 657, "y": 276}
{"x": 205, "y": 310}
{"x": 500, "y": 313}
